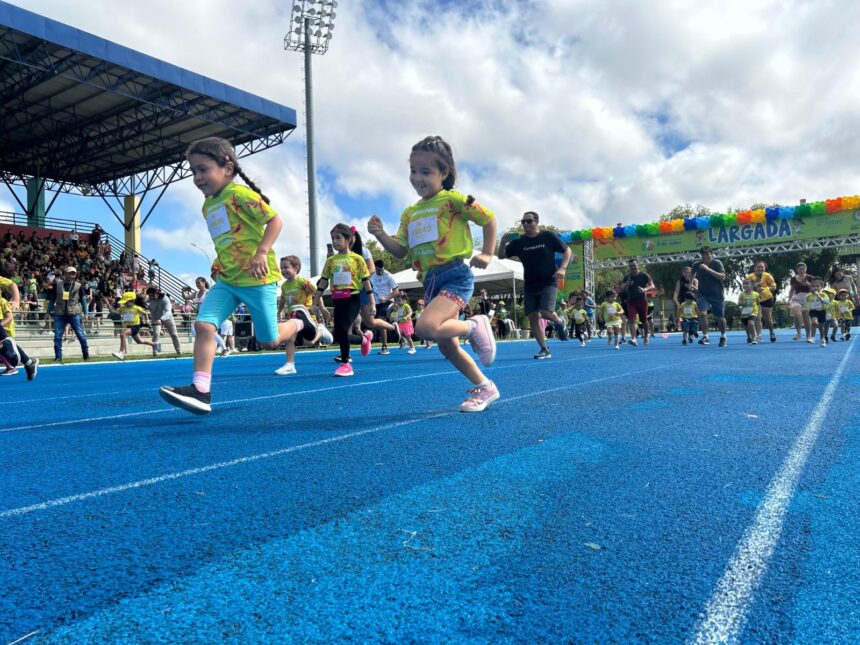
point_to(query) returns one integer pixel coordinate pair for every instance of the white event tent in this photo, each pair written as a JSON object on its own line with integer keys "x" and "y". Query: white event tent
{"x": 500, "y": 275}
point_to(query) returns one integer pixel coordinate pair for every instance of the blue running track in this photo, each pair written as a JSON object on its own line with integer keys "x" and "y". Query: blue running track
{"x": 654, "y": 494}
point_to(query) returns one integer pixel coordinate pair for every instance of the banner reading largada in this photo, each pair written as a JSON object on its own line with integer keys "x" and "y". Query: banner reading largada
{"x": 574, "y": 279}
{"x": 780, "y": 230}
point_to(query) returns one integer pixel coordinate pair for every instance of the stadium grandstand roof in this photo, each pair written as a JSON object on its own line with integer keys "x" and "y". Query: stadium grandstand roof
{"x": 93, "y": 117}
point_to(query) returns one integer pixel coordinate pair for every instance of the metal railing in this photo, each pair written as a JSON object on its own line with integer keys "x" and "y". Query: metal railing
{"x": 164, "y": 280}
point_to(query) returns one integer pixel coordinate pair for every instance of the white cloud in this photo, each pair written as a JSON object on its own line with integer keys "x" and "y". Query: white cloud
{"x": 588, "y": 111}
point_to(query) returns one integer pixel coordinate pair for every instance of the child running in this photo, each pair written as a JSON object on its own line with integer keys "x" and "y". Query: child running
{"x": 243, "y": 228}
{"x": 131, "y": 308}
{"x": 434, "y": 233}
{"x": 818, "y": 302}
{"x": 748, "y": 302}
{"x": 579, "y": 319}
{"x": 689, "y": 312}
{"x": 844, "y": 313}
{"x": 296, "y": 290}
{"x": 419, "y": 309}
{"x": 402, "y": 317}
{"x": 347, "y": 272}
{"x": 11, "y": 354}
{"x": 610, "y": 312}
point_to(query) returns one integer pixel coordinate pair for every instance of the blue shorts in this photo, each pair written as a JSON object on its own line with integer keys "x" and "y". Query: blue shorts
{"x": 262, "y": 303}
{"x": 714, "y": 305}
{"x": 453, "y": 280}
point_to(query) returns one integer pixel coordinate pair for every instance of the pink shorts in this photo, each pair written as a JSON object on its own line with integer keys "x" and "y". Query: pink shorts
{"x": 406, "y": 328}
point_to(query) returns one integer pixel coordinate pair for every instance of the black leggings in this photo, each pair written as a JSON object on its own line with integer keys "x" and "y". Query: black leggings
{"x": 345, "y": 311}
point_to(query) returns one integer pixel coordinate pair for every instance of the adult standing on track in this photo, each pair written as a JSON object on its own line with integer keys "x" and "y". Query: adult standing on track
{"x": 385, "y": 287}
{"x": 710, "y": 275}
{"x": 801, "y": 285}
{"x": 637, "y": 284}
{"x": 683, "y": 285}
{"x": 161, "y": 318}
{"x": 765, "y": 285}
{"x": 67, "y": 311}
{"x": 536, "y": 249}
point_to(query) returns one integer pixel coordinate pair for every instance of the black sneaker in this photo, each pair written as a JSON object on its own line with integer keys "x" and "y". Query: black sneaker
{"x": 188, "y": 398}
{"x": 704, "y": 340}
{"x": 309, "y": 332}
{"x": 561, "y": 331}
{"x": 32, "y": 368}
{"x": 772, "y": 337}
{"x": 722, "y": 341}
{"x": 543, "y": 354}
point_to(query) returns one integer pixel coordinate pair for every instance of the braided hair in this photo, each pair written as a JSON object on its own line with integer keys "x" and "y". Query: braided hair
{"x": 221, "y": 152}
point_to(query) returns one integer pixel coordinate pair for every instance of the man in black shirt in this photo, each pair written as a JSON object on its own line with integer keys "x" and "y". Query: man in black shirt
{"x": 536, "y": 249}
{"x": 709, "y": 276}
{"x": 636, "y": 284}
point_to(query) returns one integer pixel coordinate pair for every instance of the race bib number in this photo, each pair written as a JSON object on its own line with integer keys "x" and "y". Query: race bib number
{"x": 422, "y": 231}
{"x": 128, "y": 317}
{"x": 747, "y": 311}
{"x": 688, "y": 311}
{"x": 815, "y": 304}
{"x": 218, "y": 222}
{"x": 66, "y": 295}
{"x": 341, "y": 278}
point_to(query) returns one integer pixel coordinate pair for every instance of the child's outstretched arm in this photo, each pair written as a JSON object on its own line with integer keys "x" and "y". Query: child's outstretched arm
{"x": 482, "y": 260}
{"x": 376, "y": 229}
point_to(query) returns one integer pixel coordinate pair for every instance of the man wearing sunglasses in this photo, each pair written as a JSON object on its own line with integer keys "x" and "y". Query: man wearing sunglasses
{"x": 536, "y": 249}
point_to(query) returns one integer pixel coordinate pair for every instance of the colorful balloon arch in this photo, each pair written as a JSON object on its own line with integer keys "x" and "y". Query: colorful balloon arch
{"x": 759, "y": 216}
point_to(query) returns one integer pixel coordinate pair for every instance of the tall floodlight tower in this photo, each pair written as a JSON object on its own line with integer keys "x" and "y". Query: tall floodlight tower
{"x": 311, "y": 25}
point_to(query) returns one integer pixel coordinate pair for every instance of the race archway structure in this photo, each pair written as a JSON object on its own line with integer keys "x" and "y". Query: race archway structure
{"x": 832, "y": 223}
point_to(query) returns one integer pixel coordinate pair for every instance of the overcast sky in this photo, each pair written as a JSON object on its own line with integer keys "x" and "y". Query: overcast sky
{"x": 589, "y": 112}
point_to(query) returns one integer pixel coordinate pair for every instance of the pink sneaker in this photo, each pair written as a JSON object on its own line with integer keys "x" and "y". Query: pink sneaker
{"x": 482, "y": 340}
{"x": 480, "y": 397}
{"x": 366, "y": 337}
{"x": 345, "y": 369}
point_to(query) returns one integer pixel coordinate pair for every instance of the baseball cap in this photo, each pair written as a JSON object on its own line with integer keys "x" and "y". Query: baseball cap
{"x": 70, "y": 270}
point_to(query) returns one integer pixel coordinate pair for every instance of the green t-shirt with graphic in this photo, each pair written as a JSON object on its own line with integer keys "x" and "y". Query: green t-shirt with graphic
{"x": 402, "y": 314}
{"x": 237, "y": 219}
{"x": 436, "y": 231}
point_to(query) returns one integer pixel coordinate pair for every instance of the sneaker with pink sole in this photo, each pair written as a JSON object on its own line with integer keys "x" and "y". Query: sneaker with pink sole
{"x": 482, "y": 340}
{"x": 345, "y": 369}
{"x": 480, "y": 397}
{"x": 366, "y": 337}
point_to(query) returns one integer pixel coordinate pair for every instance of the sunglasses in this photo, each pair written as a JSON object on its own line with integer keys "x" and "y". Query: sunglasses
{"x": 527, "y": 221}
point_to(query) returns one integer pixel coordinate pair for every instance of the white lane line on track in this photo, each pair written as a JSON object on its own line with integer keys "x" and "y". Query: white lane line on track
{"x": 62, "y": 501}
{"x": 726, "y": 612}
{"x": 167, "y": 409}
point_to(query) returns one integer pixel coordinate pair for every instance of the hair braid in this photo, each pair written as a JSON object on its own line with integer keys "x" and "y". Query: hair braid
{"x": 250, "y": 183}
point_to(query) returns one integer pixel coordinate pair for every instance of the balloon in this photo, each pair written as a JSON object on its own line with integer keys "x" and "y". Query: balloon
{"x": 585, "y": 234}
{"x": 786, "y": 212}
{"x": 744, "y": 218}
{"x": 643, "y": 230}
{"x": 771, "y": 214}
{"x": 703, "y": 222}
{"x": 757, "y": 216}
{"x": 851, "y": 203}
{"x": 665, "y": 228}
{"x": 654, "y": 229}
{"x": 690, "y": 224}
{"x": 619, "y": 231}
{"x": 731, "y": 219}
{"x": 817, "y": 208}
{"x": 677, "y": 225}
{"x": 833, "y": 205}
{"x": 717, "y": 219}
{"x": 804, "y": 210}
{"x": 631, "y": 230}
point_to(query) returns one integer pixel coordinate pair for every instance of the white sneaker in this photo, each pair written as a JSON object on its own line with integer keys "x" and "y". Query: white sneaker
{"x": 226, "y": 353}
{"x": 411, "y": 350}
{"x": 118, "y": 355}
{"x": 286, "y": 368}
{"x": 325, "y": 335}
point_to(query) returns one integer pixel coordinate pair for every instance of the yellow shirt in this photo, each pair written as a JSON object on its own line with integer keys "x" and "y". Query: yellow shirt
{"x": 436, "y": 231}
{"x": 817, "y": 301}
{"x": 611, "y": 311}
{"x": 237, "y": 219}
{"x": 299, "y": 291}
{"x": 130, "y": 314}
{"x": 345, "y": 273}
{"x": 578, "y": 315}
{"x": 689, "y": 310}
{"x": 767, "y": 283}
{"x": 5, "y": 310}
{"x": 748, "y": 302}
{"x": 843, "y": 309}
